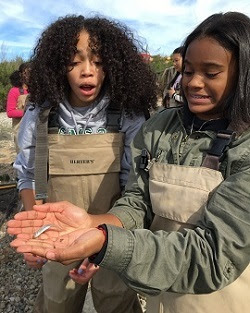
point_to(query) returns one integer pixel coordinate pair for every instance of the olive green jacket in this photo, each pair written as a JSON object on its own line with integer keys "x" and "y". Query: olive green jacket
{"x": 199, "y": 260}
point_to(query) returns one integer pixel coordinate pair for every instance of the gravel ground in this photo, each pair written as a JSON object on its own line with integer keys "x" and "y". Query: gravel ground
{"x": 18, "y": 283}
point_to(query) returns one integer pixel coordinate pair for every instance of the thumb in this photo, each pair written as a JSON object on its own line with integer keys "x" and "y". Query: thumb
{"x": 51, "y": 255}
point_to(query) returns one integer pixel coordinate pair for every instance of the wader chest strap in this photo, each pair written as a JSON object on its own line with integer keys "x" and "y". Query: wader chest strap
{"x": 219, "y": 147}
{"x": 41, "y": 156}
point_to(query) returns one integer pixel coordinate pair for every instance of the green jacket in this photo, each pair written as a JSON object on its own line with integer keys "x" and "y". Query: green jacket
{"x": 200, "y": 260}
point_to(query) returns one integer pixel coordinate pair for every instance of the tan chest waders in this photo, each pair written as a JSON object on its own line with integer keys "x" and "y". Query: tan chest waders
{"x": 178, "y": 194}
{"x": 84, "y": 170}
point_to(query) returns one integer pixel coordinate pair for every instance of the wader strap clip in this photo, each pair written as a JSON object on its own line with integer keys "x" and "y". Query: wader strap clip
{"x": 41, "y": 156}
{"x": 143, "y": 160}
{"x": 219, "y": 148}
{"x": 114, "y": 122}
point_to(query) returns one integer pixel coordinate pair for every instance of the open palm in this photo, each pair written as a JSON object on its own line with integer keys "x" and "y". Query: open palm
{"x": 63, "y": 216}
{"x": 67, "y": 248}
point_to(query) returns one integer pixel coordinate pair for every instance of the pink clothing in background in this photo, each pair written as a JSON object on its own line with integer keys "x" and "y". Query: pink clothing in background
{"x": 13, "y": 95}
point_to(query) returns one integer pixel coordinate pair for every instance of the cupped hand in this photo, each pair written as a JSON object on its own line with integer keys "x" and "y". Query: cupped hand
{"x": 64, "y": 216}
{"x": 73, "y": 246}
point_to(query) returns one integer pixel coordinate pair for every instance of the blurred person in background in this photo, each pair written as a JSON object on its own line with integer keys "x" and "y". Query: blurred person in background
{"x": 171, "y": 94}
{"x": 17, "y": 97}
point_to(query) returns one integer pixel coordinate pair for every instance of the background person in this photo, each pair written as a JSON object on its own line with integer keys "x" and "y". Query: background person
{"x": 16, "y": 97}
{"x": 172, "y": 92}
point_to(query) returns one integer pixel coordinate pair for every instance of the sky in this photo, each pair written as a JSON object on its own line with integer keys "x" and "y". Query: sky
{"x": 161, "y": 25}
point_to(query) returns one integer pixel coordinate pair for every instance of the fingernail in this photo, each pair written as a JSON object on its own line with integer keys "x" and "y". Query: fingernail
{"x": 80, "y": 271}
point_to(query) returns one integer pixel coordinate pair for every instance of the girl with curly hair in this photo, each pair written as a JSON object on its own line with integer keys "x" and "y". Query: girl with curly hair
{"x": 87, "y": 77}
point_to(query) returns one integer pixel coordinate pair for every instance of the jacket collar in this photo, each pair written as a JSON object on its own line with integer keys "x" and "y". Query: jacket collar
{"x": 193, "y": 123}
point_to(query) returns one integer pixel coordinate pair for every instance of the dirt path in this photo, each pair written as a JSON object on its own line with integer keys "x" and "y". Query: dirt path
{"x": 8, "y": 197}
{"x": 7, "y": 149}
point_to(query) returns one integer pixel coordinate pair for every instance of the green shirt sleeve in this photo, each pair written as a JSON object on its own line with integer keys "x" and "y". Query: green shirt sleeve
{"x": 199, "y": 260}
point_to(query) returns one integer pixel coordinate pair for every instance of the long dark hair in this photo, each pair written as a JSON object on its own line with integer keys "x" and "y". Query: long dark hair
{"x": 15, "y": 79}
{"x": 232, "y": 31}
{"x": 129, "y": 81}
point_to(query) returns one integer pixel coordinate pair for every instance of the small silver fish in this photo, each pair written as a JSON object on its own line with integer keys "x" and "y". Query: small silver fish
{"x": 42, "y": 230}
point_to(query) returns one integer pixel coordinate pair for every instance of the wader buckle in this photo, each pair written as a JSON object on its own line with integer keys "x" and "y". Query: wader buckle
{"x": 221, "y": 143}
{"x": 143, "y": 159}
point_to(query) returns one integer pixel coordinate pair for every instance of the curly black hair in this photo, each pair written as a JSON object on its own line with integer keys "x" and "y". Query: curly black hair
{"x": 129, "y": 81}
{"x": 15, "y": 79}
{"x": 24, "y": 68}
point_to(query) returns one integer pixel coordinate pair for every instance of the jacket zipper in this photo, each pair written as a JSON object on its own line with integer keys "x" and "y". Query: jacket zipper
{"x": 152, "y": 161}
